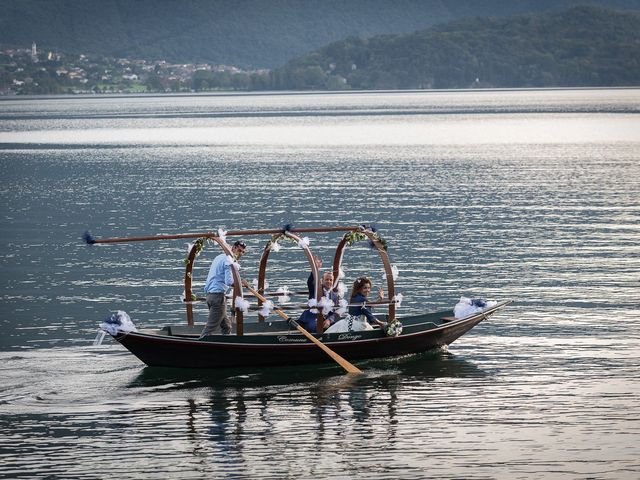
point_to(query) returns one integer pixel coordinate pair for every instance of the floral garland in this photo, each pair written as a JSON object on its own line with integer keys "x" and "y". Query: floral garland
{"x": 199, "y": 246}
{"x": 359, "y": 236}
{"x": 275, "y": 246}
{"x": 393, "y": 328}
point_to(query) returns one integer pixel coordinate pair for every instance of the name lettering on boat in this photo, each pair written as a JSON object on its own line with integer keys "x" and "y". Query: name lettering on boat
{"x": 348, "y": 336}
{"x": 286, "y": 339}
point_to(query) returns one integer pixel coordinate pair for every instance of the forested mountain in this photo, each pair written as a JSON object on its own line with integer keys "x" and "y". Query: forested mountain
{"x": 583, "y": 46}
{"x": 246, "y": 33}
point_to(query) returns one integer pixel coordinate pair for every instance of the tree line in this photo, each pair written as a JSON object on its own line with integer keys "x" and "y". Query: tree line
{"x": 583, "y": 46}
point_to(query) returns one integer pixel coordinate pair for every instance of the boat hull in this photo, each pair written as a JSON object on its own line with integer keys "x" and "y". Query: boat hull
{"x": 420, "y": 334}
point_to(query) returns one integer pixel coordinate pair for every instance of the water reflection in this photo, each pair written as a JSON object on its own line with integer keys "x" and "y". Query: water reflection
{"x": 231, "y": 418}
{"x": 425, "y": 366}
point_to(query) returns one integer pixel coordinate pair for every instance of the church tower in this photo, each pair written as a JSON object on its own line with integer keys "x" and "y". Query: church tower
{"x": 34, "y": 52}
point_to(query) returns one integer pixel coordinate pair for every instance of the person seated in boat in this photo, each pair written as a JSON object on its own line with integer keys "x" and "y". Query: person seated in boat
{"x": 360, "y": 316}
{"x": 308, "y": 319}
{"x": 218, "y": 282}
{"x": 359, "y": 293}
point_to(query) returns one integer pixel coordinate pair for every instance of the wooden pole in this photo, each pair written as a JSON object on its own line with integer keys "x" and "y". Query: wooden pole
{"x": 91, "y": 240}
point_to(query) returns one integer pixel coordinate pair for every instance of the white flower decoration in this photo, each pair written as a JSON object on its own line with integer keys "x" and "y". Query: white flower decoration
{"x": 223, "y": 235}
{"x": 275, "y": 247}
{"x": 393, "y": 329}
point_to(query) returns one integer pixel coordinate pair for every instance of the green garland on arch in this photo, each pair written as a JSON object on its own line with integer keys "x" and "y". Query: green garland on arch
{"x": 360, "y": 236}
{"x": 199, "y": 244}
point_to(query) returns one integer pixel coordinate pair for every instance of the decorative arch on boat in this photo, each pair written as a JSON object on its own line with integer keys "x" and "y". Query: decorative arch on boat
{"x": 195, "y": 250}
{"x": 262, "y": 271}
{"x": 352, "y": 235}
{"x": 364, "y": 233}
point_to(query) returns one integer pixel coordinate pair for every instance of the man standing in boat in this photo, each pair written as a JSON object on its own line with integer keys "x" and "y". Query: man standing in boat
{"x": 218, "y": 282}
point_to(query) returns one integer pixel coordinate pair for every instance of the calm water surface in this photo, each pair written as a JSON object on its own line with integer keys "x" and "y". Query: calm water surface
{"x": 529, "y": 195}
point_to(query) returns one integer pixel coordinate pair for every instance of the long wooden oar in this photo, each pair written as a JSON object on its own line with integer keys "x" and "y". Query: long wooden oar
{"x": 350, "y": 368}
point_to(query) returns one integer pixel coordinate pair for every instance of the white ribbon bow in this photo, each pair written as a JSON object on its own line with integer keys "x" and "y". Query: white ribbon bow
{"x": 275, "y": 247}
{"x": 304, "y": 242}
{"x": 397, "y": 298}
{"x": 313, "y": 303}
{"x": 242, "y": 304}
{"x": 267, "y": 308}
{"x": 284, "y": 298}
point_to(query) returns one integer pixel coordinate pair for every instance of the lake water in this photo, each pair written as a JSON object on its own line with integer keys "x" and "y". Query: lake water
{"x": 532, "y": 195}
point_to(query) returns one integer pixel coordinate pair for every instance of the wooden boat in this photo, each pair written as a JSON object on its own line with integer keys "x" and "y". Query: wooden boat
{"x": 265, "y": 342}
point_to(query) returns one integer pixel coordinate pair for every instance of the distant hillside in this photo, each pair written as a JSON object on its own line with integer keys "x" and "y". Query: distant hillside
{"x": 584, "y": 46}
{"x": 246, "y": 33}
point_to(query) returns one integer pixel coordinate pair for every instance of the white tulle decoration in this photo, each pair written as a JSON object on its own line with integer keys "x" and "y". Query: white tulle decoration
{"x": 232, "y": 262}
{"x": 275, "y": 247}
{"x": 119, "y": 321}
{"x": 267, "y": 308}
{"x": 343, "y": 306}
{"x": 189, "y": 247}
{"x": 222, "y": 234}
{"x": 313, "y": 303}
{"x": 397, "y": 299}
{"x": 394, "y": 273}
{"x": 469, "y": 306}
{"x": 304, "y": 242}
{"x": 341, "y": 289}
{"x": 242, "y": 304}
{"x": 341, "y": 273}
{"x": 327, "y": 305}
{"x": 284, "y": 298}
